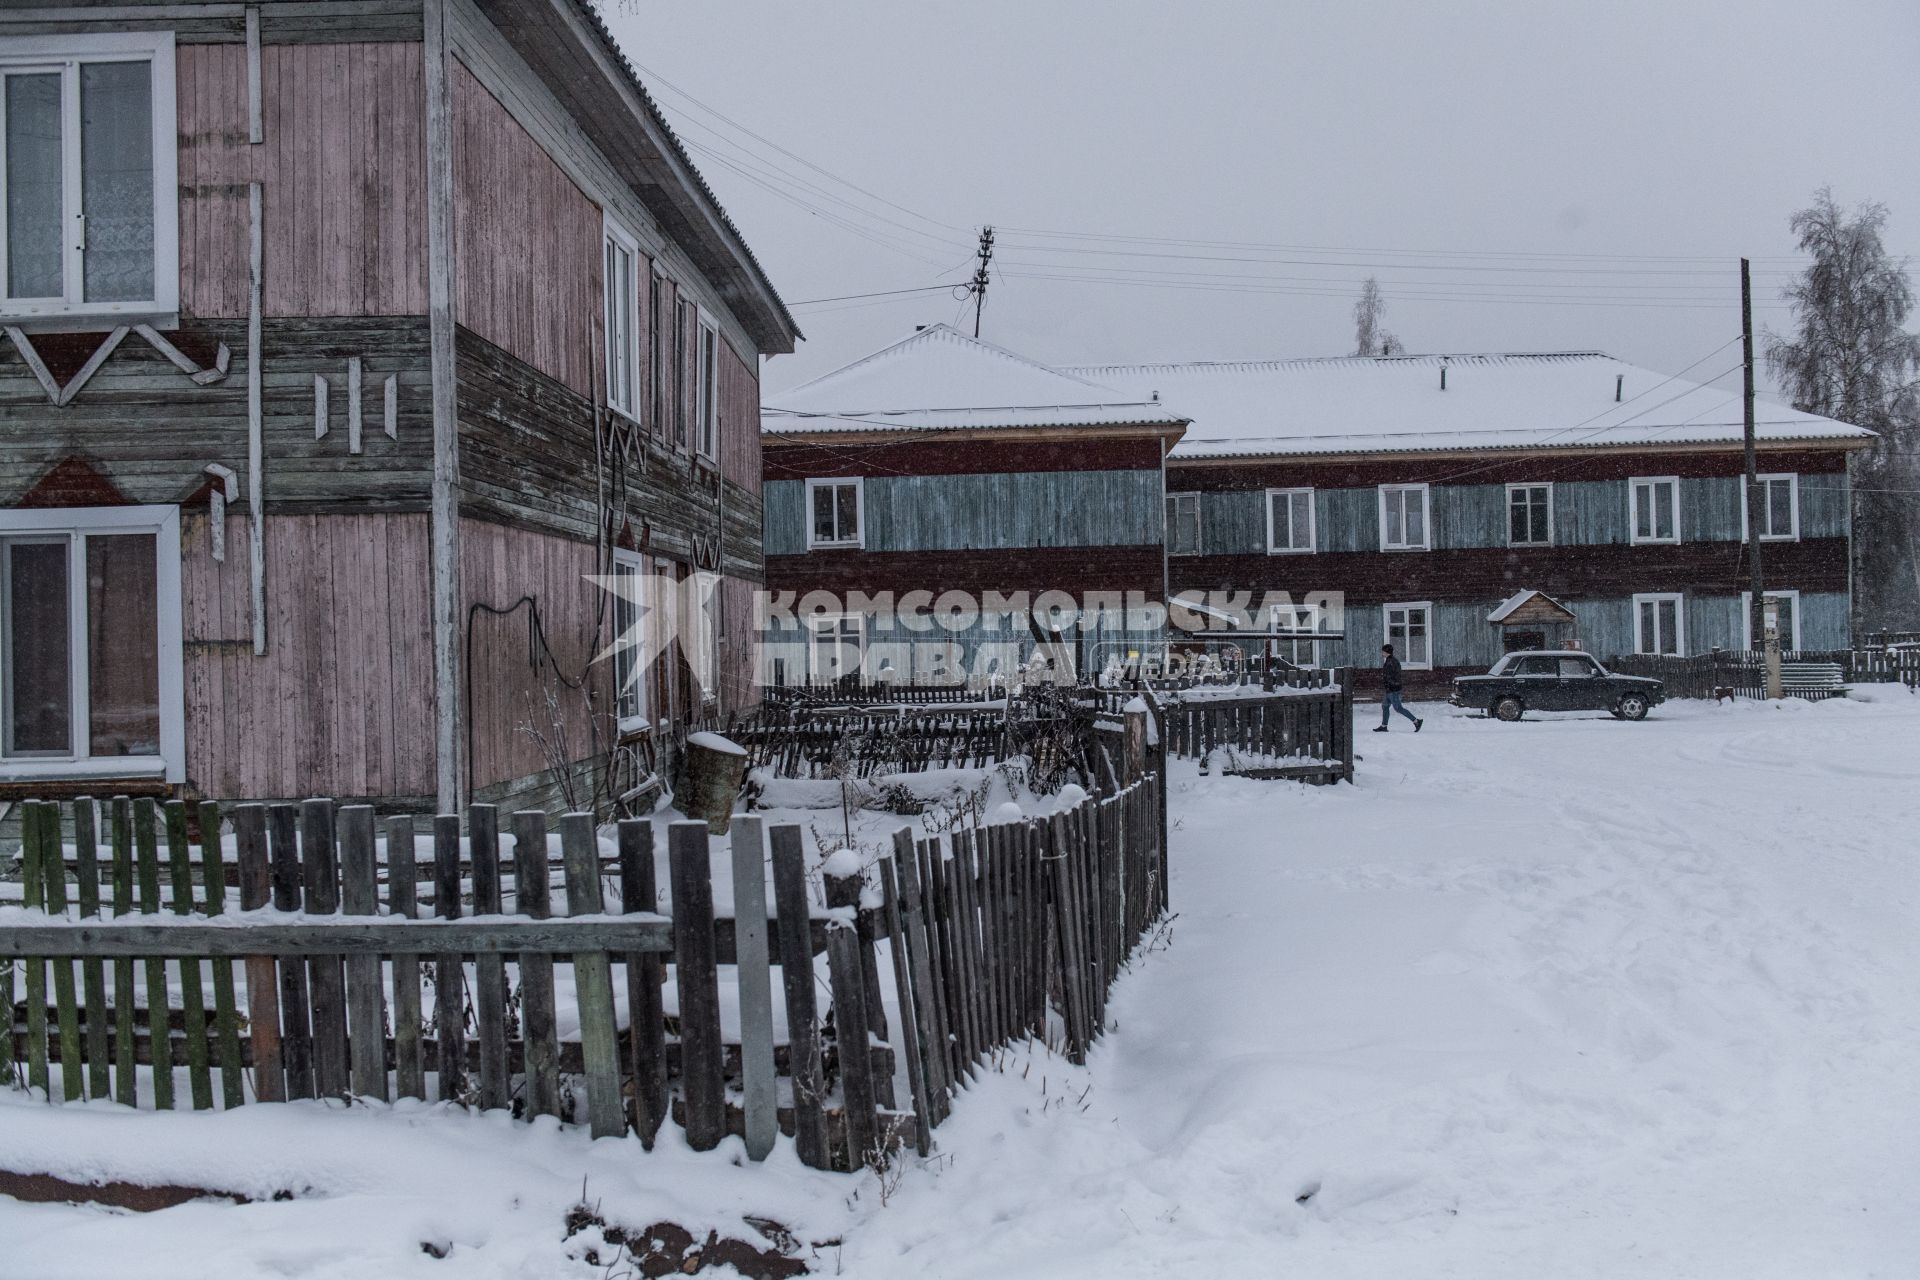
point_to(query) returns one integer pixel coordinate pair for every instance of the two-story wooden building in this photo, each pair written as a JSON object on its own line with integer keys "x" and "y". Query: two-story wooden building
{"x": 1466, "y": 505}
{"x": 915, "y": 488}
{"x": 343, "y": 341}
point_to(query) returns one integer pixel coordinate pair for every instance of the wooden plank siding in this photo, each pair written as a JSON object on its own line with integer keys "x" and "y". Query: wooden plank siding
{"x": 343, "y": 699}
{"x": 281, "y": 22}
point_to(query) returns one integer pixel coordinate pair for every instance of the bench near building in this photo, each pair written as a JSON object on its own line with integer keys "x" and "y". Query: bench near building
{"x": 1470, "y": 505}
{"x": 393, "y": 320}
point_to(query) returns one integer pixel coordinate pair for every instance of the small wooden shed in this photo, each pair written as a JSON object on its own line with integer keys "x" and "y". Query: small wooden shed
{"x": 1534, "y": 620}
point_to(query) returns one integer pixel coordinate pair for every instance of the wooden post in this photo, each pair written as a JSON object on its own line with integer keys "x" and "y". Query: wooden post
{"x": 449, "y": 976}
{"x": 34, "y": 870}
{"x": 263, "y": 993}
{"x": 925, "y": 980}
{"x": 159, "y": 1021}
{"x": 752, "y": 970}
{"x": 296, "y": 1039}
{"x": 695, "y": 961}
{"x": 403, "y": 887}
{"x": 794, "y": 914}
{"x": 226, "y": 1017}
{"x": 593, "y": 981}
{"x": 125, "y": 1090}
{"x": 645, "y": 974}
{"x": 489, "y": 972}
{"x": 193, "y": 1007}
{"x": 538, "y": 1032}
{"x": 366, "y": 999}
{"x": 320, "y": 861}
{"x": 86, "y": 850}
{"x": 849, "y": 985}
{"x": 908, "y": 1037}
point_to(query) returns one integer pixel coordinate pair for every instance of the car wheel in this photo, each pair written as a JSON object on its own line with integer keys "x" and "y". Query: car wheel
{"x": 1509, "y": 709}
{"x": 1632, "y": 706}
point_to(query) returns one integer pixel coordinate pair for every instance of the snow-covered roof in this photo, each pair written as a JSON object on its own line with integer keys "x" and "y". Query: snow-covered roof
{"x": 1394, "y": 404}
{"x": 1519, "y": 598}
{"x": 942, "y": 379}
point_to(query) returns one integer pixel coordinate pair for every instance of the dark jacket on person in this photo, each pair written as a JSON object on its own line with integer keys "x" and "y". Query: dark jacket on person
{"x": 1390, "y": 674}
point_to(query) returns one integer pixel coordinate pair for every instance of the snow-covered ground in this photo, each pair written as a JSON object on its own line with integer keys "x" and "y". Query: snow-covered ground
{"x": 1564, "y": 998}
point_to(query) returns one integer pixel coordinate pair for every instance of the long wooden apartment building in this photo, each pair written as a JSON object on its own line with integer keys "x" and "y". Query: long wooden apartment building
{"x": 343, "y": 342}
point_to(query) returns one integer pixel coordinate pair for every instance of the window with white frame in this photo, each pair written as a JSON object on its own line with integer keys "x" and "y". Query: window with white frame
{"x": 1786, "y": 618}
{"x": 1403, "y": 517}
{"x": 1409, "y": 629}
{"x": 90, "y": 652}
{"x": 1529, "y": 515}
{"x": 1779, "y": 506}
{"x": 659, "y": 325}
{"x": 1183, "y": 524}
{"x": 1294, "y": 630}
{"x": 682, "y": 373}
{"x": 704, "y": 645}
{"x": 1660, "y": 624}
{"x": 1654, "y": 508}
{"x": 706, "y": 414}
{"x": 835, "y": 646}
{"x": 835, "y": 513}
{"x": 88, "y": 194}
{"x": 1289, "y": 521}
{"x": 620, "y": 290}
{"x": 630, "y": 628}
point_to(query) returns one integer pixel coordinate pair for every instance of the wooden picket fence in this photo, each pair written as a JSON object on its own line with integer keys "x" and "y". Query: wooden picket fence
{"x": 332, "y": 980}
{"x": 1305, "y": 734}
{"x": 821, "y": 744}
{"x": 1704, "y": 675}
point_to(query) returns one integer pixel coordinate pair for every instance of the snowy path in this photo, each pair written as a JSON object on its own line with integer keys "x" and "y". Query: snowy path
{"x": 1563, "y": 998}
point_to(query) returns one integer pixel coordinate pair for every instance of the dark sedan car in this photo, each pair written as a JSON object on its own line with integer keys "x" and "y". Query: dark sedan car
{"x": 1556, "y": 680}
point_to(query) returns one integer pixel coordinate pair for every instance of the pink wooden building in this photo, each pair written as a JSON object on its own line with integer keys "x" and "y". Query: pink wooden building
{"x": 342, "y": 342}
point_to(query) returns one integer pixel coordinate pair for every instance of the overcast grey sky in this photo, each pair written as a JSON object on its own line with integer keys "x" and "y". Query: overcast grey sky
{"x": 1644, "y": 146}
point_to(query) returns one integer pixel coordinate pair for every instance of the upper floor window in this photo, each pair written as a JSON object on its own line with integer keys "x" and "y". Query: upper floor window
{"x": 1183, "y": 524}
{"x": 835, "y": 515}
{"x": 1654, "y": 508}
{"x": 1779, "y": 506}
{"x": 1529, "y": 515}
{"x": 706, "y": 413}
{"x": 1403, "y": 517}
{"x": 659, "y": 324}
{"x": 1289, "y": 520}
{"x": 682, "y": 373}
{"x": 620, "y": 289}
{"x": 88, "y": 205}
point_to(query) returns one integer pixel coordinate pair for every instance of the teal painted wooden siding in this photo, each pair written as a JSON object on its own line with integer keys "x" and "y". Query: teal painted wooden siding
{"x": 986, "y": 512}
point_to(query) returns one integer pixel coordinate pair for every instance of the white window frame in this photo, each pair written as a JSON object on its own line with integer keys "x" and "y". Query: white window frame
{"x": 1746, "y": 617}
{"x": 627, "y": 655}
{"x": 703, "y": 607}
{"x": 1426, "y": 518}
{"x": 1313, "y": 529}
{"x": 65, "y": 54}
{"x": 163, "y": 522}
{"x": 817, "y": 625}
{"x": 1657, "y": 598}
{"x": 706, "y": 397}
{"x": 859, "y": 539}
{"x": 1386, "y": 631}
{"x": 1793, "y": 506}
{"x": 1174, "y": 502}
{"x": 1530, "y": 484}
{"x": 621, "y": 349}
{"x": 1633, "y": 510}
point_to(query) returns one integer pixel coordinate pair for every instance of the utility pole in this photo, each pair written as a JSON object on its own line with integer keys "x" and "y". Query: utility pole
{"x": 979, "y": 285}
{"x": 1758, "y": 615}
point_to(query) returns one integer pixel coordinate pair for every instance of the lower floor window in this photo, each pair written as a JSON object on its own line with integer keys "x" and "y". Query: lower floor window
{"x": 630, "y": 653}
{"x": 1659, "y": 625}
{"x": 1410, "y": 632}
{"x": 835, "y": 647}
{"x": 89, "y": 639}
{"x": 1786, "y": 616}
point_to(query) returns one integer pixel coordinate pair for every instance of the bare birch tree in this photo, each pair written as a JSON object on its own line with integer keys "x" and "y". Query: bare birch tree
{"x": 1370, "y": 337}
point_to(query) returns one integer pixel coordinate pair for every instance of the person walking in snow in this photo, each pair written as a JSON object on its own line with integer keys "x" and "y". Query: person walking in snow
{"x": 1390, "y": 699}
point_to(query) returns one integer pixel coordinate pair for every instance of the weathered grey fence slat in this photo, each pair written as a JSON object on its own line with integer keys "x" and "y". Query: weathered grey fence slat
{"x": 193, "y": 1008}
{"x": 702, "y": 1087}
{"x": 751, "y": 967}
{"x": 147, "y": 849}
{"x": 1066, "y": 915}
{"x": 909, "y": 1037}
{"x": 844, "y": 893}
{"x": 409, "y": 1069}
{"x": 851, "y": 1038}
{"x": 340, "y": 935}
{"x": 489, "y": 971}
{"x": 366, "y": 999}
{"x": 125, "y": 1081}
{"x": 93, "y": 976}
{"x": 593, "y": 981}
{"x": 226, "y": 1014}
{"x": 645, "y": 974}
{"x": 33, "y": 871}
{"x": 263, "y": 988}
{"x": 796, "y": 979}
{"x": 449, "y": 975}
{"x": 913, "y": 922}
{"x": 967, "y": 947}
{"x": 326, "y": 974}
{"x": 533, "y": 898}
{"x": 935, "y": 916}
{"x": 289, "y": 894}
{"x": 53, "y": 879}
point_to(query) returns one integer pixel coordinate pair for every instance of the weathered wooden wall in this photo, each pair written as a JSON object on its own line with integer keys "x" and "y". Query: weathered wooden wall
{"x": 343, "y": 699}
{"x": 281, "y": 21}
